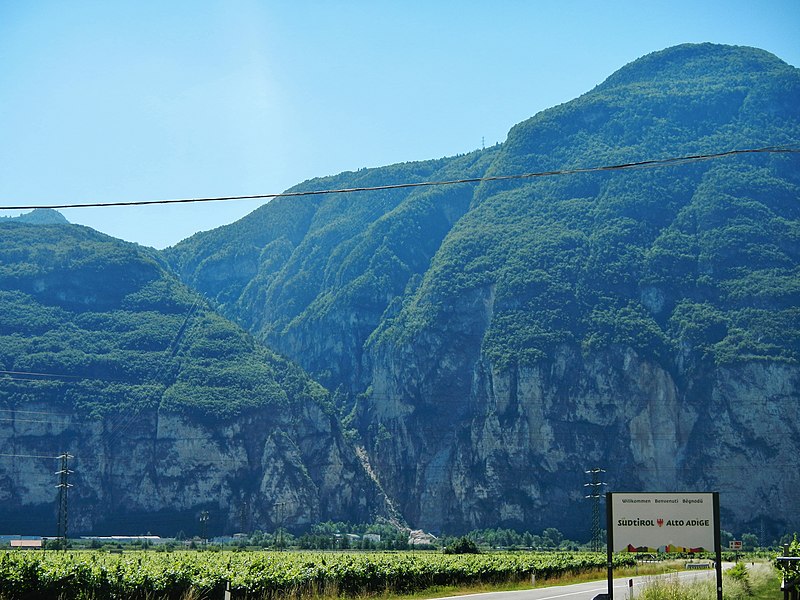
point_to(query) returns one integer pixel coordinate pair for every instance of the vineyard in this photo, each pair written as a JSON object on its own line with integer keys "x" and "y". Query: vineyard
{"x": 268, "y": 575}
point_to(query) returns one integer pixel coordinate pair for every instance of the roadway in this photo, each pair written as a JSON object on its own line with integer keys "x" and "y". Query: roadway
{"x": 587, "y": 591}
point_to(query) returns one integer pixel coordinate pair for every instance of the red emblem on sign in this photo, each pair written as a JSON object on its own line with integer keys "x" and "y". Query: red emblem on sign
{"x": 660, "y": 522}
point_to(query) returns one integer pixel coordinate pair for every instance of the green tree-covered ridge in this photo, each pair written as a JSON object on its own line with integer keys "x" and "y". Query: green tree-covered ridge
{"x": 329, "y": 263}
{"x": 488, "y": 340}
{"x": 687, "y": 264}
{"x": 700, "y": 259}
{"x": 114, "y": 330}
{"x": 428, "y": 295}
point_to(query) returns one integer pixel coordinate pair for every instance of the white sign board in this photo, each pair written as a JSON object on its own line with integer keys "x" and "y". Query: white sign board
{"x": 662, "y": 522}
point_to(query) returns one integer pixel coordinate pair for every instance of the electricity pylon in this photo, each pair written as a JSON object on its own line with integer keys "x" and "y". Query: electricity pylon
{"x": 63, "y": 487}
{"x": 595, "y": 493}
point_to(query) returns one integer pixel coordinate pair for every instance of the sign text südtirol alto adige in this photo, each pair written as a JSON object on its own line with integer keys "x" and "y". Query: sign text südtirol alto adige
{"x": 663, "y": 522}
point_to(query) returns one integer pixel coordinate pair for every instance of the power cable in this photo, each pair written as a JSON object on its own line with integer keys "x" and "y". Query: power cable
{"x": 644, "y": 164}
{"x": 27, "y": 456}
{"x": 43, "y": 378}
{"x": 34, "y": 412}
{"x": 118, "y": 429}
{"x": 36, "y": 374}
{"x": 5, "y": 378}
{"x": 33, "y": 421}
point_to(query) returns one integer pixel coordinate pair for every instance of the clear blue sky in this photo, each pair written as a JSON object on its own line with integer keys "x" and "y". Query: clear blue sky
{"x": 141, "y": 100}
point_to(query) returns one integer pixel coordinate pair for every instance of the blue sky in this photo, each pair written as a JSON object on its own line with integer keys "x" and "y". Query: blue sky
{"x": 145, "y": 100}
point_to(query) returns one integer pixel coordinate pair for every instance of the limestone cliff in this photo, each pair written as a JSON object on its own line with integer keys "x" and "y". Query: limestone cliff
{"x": 492, "y": 343}
{"x": 644, "y": 324}
{"x": 167, "y": 408}
{"x": 157, "y": 470}
{"x": 486, "y": 343}
{"x": 511, "y": 447}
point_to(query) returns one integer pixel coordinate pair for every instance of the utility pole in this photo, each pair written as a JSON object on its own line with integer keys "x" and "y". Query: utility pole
{"x": 279, "y": 506}
{"x": 204, "y": 527}
{"x": 63, "y": 487}
{"x": 244, "y": 517}
{"x": 595, "y": 493}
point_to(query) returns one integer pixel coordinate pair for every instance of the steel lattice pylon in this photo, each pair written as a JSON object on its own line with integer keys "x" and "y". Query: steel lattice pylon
{"x": 595, "y": 494}
{"x": 63, "y": 488}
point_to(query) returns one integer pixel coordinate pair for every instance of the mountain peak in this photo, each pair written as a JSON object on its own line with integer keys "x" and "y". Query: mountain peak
{"x": 695, "y": 61}
{"x": 41, "y": 216}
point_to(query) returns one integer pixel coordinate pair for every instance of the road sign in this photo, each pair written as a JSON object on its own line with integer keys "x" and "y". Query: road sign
{"x": 663, "y": 522}
{"x": 735, "y": 544}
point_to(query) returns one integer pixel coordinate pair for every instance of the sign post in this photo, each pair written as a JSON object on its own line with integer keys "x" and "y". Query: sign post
{"x": 663, "y": 522}
{"x": 736, "y": 546}
{"x": 717, "y": 545}
{"x": 610, "y": 550}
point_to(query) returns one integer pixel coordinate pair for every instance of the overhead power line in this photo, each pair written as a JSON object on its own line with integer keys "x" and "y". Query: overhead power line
{"x": 35, "y": 373}
{"x": 27, "y": 456}
{"x": 33, "y": 412}
{"x": 644, "y": 164}
{"x": 15, "y": 420}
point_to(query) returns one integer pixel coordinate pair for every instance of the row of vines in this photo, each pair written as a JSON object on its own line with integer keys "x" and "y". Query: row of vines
{"x": 272, "y": 576}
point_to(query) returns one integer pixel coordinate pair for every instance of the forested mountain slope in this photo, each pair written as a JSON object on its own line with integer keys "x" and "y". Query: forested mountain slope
{"x": 645, "y": 322}
{"x": 500, "y": 339}
{"x": 168, "y": 408}
{"x": 332, "y": 263}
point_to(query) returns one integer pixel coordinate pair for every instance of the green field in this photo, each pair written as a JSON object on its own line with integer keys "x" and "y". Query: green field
{"x": 177, "y": 575}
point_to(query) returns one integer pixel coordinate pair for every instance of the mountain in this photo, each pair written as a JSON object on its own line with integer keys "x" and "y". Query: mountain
{"x": 40, "y": 216}
{"x": 296, "y": 267}
{"x": 167, "y": 408}
{"x": 489, "y": 343}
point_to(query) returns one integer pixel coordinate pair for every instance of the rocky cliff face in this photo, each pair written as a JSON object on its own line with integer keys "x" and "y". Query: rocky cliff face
{"x": 503, "y": 339}
{"x": 511, "y": 447}
{"x": 488, "y": 344}
{"x": 156, "y": 471}
{"x": 646, "y": 325}
{"x": 298, "y": 267}
{"x": 167, "y": 408}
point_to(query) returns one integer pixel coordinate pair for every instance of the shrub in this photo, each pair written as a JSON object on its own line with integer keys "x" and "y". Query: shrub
{"x": 462, "y": 545}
